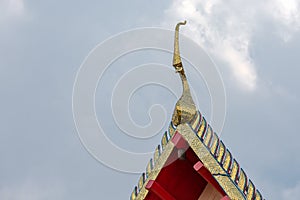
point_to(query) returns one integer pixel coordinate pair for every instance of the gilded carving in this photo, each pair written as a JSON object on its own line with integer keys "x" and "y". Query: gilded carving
{"x": 204, "y": 142}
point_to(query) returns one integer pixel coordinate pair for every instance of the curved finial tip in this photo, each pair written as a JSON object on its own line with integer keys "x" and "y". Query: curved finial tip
{"x": 176, "y": 57}
{"x": 182, "y": 23}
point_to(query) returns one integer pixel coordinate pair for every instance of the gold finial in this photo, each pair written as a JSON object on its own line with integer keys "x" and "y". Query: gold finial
{"x": 176, "y": 57}
{"x": 185, "y": 109}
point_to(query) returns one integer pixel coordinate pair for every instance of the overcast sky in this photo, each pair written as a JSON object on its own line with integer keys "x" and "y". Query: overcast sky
{"x": 254, "y": 44}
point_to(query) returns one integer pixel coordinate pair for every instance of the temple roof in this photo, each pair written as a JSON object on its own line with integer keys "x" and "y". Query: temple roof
{"x": 192, "y": 158}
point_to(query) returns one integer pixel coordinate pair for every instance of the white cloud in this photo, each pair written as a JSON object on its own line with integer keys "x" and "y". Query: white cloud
{"x": 286, "y": 11}
{"x": 16, "y": 7}
{"x": 286, "y": 14}
{"x": 226, "y": 29}
{"x": 11, "y": 9}
{"x": 292, "y": 193}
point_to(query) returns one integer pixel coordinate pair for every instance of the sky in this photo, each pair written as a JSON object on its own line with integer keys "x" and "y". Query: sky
{"x": 254, "y": 45}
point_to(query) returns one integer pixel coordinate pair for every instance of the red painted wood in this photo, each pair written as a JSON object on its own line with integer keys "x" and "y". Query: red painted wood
{"x": 181, "y": 179}
{"x": 225, "y": 198}
{"x": 179, "y": 141}
{"x": 154, "y": 187}
{"x": 200, "y": 168}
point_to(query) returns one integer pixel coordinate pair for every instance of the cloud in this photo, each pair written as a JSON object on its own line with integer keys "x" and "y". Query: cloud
{"x": 226, "y": 29}
{"x": 286, "y": 14}
{"x": 11, "y": 9}
{"x": 286, "y": 11}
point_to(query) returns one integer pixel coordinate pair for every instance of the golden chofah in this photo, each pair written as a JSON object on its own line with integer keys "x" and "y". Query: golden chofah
{"x": 185, "y": 109}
